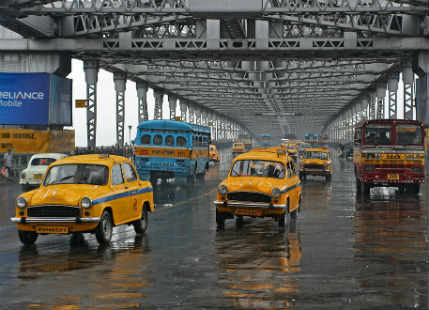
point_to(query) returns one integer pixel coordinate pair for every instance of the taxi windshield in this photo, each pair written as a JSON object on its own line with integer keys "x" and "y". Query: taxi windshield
{"x": 408, "y": 134}
{"x": 77, "y": 174}
{"x": 258, "y": 168}
{"x": 316, "y": 155}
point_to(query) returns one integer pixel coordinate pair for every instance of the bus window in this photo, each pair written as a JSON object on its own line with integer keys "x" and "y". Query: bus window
{"x": 169, "y": 140}
{"x": 145, "y": 139}
{"x": 157, "y": 139}
{"x": 408, "y": 134}
{"x": 180, "y": 141}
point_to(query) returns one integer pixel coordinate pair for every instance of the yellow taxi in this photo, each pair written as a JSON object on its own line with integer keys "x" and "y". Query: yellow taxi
{"x": 260, "y": 183}
{"x": 85, "y": 193}
{"x": 315, "y": 161}
{"x": 238, "y": 148}
{"x": 213, "y": 154}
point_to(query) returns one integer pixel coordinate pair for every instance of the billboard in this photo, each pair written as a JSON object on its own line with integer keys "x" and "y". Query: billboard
{"x": 35, "y": 99}
{"x": 28, "y": 141}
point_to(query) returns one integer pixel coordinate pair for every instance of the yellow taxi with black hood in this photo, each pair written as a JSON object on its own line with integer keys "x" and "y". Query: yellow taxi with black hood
{"x": 85, "y": 193}
{"x": 261, "y": 183}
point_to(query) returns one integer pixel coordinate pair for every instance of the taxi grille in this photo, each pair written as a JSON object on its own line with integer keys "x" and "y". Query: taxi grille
{"x": 53, "y": 211}
{"x": 246, "y": 196}
{"x": 313, "y": 166}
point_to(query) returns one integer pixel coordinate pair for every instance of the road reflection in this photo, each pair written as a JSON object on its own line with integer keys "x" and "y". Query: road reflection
{"x": 390, "y": 250}
{"x": 111, "y": 277}
{"x": 258, "y": 271}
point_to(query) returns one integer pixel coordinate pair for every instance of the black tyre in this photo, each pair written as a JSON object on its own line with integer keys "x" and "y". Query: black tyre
{"x": 365, "y": 188}
{"x": 27, "y": 237}
{"x": 358, "y": 185}
{"x": 328, "y": 178}
{"x": 413, "y": 188}
{"x": 294, "y": 213}
{"x": 282, "y": 220}
{"x": 220, "y": 220}
{"x": 239, "y": 221}
{"x": 104, "y": 230}
{"x": 141, "y": 225}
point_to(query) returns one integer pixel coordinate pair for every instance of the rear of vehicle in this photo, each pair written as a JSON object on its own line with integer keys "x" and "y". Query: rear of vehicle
{"x": 213, "y": 153}
{"x": 168, "y": 149}
{"x": 389, "y": 153}
{"x": 31, "y": 176}
{"x": 315, "y": 162}
{"x": 238, "y": 148}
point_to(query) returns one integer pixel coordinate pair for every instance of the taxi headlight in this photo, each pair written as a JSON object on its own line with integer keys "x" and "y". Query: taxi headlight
{"x": 86, "y": 202}
{"x": 276, "y": 192}
{"x": 222, "y": 189}
{"x": 21, "y": 202}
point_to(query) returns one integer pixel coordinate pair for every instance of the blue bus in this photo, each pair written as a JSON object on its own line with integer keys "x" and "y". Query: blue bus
{"x": 266, "y": 140}
{"x": 171, "y": 149}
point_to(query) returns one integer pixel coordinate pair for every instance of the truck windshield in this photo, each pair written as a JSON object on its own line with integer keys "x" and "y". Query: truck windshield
{"x": 408, "y": 134}
{"x": 378, "y": 134}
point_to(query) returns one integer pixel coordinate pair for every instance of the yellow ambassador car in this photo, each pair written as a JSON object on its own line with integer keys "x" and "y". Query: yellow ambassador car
{"x": 315, "y": 161}
{"x": 260, "y": 183}
{"x": 85, "y": 193}
{"x": 213, "y": 153}
{"x": 238, "y": 148}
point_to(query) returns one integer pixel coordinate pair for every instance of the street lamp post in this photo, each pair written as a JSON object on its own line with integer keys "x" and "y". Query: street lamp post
{"x": 129, "y": 132}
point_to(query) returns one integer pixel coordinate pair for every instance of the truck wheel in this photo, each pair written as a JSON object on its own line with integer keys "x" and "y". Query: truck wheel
{"x": 358, "y": 185}
{"x": 140, "y": 226}
{"x": 413, "y": 188}
{"x": 365, "y": 188}
{"x": 103, "y": 232}
{"x": 27, "y": 237}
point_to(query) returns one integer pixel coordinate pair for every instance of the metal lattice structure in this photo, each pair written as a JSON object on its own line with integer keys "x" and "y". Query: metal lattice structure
{"x": 275, "y": 66}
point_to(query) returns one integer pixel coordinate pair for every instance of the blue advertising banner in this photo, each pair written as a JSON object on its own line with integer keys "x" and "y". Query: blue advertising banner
{"x": 35, "y": 99}
{"x": 60, "y": 106}
{"x": 24, "y": 98}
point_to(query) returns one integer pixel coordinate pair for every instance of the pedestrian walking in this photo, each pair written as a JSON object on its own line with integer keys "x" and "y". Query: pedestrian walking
{"x": 7, "y": 169}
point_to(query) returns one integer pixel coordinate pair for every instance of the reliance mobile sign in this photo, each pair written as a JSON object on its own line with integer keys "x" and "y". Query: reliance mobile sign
{"x": 26, "y": 99}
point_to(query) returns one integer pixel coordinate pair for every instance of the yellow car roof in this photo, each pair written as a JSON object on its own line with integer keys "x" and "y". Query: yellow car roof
{"x": 271, "y": 153}
{"x": 316, "y": 149}
{"x": 100, "y": 159}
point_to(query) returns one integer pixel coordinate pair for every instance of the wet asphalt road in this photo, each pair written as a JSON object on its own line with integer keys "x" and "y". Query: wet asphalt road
{"x": 343, "y": 252}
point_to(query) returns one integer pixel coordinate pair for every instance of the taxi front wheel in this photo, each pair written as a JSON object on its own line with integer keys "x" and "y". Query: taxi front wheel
{"x": 27, "y": 237}
{"x": 103, "y": 232}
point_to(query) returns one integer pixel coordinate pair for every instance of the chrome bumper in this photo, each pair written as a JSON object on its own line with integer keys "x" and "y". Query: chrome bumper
{"x": 248, "y": 204}
{"x": 24, "y": 220}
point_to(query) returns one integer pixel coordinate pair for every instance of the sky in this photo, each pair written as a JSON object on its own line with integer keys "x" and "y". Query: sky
{"x": 106, "y": 107}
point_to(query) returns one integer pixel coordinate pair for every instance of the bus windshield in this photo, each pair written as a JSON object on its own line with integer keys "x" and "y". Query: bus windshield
{"x": 378, "y": 134}
{"x": 408, "y": 134}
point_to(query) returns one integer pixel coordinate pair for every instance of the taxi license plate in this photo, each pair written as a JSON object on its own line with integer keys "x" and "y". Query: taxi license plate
{"x": 248, "y": 212}
{"x": 52, "y": 229}
{"x": 394, "y": 176}
{"x": 37, "y": 176}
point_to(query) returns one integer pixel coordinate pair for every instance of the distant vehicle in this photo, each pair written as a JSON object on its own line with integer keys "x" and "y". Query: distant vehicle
{"x": 31, "y": 176}
{"x": 238, "y": 148}
{"x": 214, "y": 155}
{"x": 266, "y": 140}
{"x": 389, "y": 153}
{"x": 168, "y": 148}
{"x": 260, "y": 183}
{"x": 248, "y": 143}
{"x": 85, "y": 193}
{"x": 315, "y": 161}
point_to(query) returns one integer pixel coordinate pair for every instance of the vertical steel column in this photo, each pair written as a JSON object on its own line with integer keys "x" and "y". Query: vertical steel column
{"x": 120, "y": 79}
{"x": 392, "y": 86}
{"x": 191, "y": 114}
{"x": 381, "y": 95}
{"x": 142, "y": 101}
{"x": 408, "y": 78}
{"x": 372, "y": 100}
{"x": 197, "y": 116}
{"x": 183, "y": 110}
{"x": 172, "y": 103}
{"x": 159, "y": 100}
{"x": 91, "y": 78}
